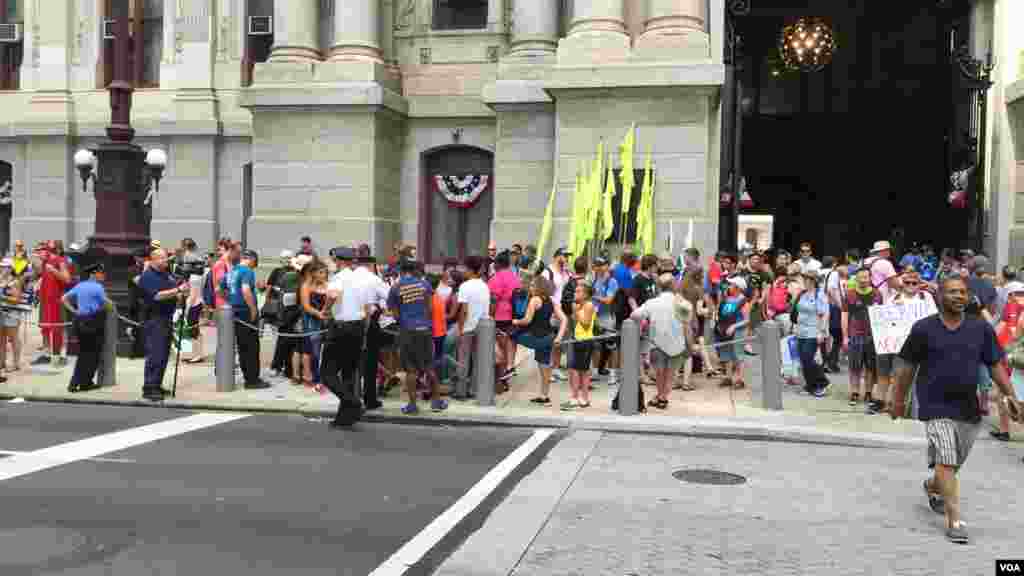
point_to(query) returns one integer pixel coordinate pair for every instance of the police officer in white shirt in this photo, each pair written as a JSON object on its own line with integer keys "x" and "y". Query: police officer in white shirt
{"x": 344, "y": 344}
{"x": 370, "y": 297}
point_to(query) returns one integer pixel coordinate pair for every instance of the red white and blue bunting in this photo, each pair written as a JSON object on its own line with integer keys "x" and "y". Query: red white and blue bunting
{"x": 462, "y": 192}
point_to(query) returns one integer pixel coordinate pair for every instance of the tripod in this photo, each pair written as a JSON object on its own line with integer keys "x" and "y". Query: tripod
{"x": 182, "y": 319}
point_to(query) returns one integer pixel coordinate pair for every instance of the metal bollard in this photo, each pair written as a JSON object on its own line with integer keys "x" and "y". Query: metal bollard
{"x": 770, "y": 333}
{"x": 629, "y": 385}
{"x": 108, "y": 356}
{"x": 225, "y": 362}
{"x": 483, "y": 373}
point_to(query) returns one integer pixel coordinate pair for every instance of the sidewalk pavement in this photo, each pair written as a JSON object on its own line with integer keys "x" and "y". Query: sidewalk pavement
{"x": 710, "y": 411}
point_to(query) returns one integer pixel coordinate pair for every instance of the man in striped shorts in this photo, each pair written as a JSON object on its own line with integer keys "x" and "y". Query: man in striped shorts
{"x": 947, "y": 350}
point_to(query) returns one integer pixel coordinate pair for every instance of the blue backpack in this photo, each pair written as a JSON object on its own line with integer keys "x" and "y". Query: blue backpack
{"x": 520, "y": 301}
{"x": 209, "y": 295}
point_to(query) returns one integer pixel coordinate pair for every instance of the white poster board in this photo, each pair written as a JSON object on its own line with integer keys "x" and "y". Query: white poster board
{"x": 891, "y": 323}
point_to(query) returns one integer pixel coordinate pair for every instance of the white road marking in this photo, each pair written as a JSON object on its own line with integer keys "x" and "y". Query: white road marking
{"x": 110, "y": 460}
{"x": 414, "y": 550}
{"x": 90, "y": 448}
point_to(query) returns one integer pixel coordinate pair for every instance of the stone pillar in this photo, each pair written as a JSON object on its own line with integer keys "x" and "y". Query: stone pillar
{"x": 597, "y": 33}
{"x": 674, "y": 30}
{"x": 357, "y": 31}
{"x": 534, "y": 28}
{"x": 295, "y": 31}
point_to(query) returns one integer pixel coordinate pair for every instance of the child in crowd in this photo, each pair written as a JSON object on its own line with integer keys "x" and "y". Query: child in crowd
{"x": 585, "y": 316}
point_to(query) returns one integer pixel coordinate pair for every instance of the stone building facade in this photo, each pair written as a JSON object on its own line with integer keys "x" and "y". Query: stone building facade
{"x": 336, "y": 124}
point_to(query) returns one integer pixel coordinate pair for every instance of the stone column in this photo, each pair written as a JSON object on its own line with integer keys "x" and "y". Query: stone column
{"x": 357, "y": 31}
{"x": 597, "y": 33}
{"x": 674, "y": 30}
{"x": 295, "y": 31}
{"x": 534, "y": 28}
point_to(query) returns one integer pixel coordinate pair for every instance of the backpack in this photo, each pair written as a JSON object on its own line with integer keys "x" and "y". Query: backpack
{"x": 569, "y": 295}
{"x": 778, "y": 297}
{"x": 209, "y": 294}
{"x": 794, "y": 313}
{"x": 520, "y": 300}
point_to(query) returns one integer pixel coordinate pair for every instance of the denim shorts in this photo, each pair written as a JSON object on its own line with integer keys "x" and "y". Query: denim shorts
{"x": 541, "y": 346}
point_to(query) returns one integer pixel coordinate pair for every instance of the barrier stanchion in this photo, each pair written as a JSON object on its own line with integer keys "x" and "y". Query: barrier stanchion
{"x": 629, "y": 385}
{"x": 770, "y": 333}
{"x": 483, "y": 373}
{"x": 225, "y": 361}
{"x": 108, "y": 355}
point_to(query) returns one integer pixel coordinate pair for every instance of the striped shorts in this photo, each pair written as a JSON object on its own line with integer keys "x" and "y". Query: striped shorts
{"x": 950, "y": 441}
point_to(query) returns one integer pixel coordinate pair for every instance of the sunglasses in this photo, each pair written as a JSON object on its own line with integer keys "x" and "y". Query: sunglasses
{"x": 910, "y": 283}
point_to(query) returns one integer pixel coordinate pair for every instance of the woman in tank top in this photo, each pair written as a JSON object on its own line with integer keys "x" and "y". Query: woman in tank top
{"x": 539, "y": 334}
{"x": 313, "y": 296}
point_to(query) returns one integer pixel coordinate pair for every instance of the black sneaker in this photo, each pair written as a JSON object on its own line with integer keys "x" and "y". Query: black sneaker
{"x": 1001, "y": 436}
{"x": 41, "y": 360}
{"x": 873, "y": 407}
{"x": 257, "y": 385}
{"x": 153, "y": 396}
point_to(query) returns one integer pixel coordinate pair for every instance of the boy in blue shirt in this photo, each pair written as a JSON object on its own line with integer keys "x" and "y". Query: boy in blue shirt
{"x": 242, "y": 298}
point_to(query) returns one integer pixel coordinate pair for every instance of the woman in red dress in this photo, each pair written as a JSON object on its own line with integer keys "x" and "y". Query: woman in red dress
{"x": 55, "y": 278}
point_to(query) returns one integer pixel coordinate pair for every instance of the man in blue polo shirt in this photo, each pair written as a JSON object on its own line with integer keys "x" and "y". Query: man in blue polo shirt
{"x": 947, "y": 350}
{"x": 242, "y": 297}
{"x": 87, "y": 302}
{"x": 161, "y": 294}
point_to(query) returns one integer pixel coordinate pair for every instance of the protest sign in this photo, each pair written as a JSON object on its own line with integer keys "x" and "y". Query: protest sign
{"x": 891, "y": 323}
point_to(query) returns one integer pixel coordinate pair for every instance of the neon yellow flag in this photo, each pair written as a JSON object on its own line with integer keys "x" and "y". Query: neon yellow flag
{"x": 606, "y": 212}
{"x": 645, "y": 216}
{"x": 626, "y": 177}
{"x": 594, "y": 194}
{"x": 545, "y": 228}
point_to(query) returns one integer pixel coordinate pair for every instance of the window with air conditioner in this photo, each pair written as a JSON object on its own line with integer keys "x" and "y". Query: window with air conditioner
{"x": 460, "y": 14}
{"x": 11, "y": 45}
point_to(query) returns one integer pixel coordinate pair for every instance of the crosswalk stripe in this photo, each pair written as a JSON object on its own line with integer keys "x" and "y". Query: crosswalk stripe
{"x": 24, "y": 463}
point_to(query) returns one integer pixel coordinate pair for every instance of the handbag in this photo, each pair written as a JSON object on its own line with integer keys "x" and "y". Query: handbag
{"x": 272, "y": 309}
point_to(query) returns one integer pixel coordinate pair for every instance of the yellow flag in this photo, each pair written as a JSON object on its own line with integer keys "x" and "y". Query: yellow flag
{"x": 645, "y": 216}
{"x": 545, "y": 228}
{"x": 626, "y": 176}
{"x": 606, "y": 211}
{"x": 594, "y": 193}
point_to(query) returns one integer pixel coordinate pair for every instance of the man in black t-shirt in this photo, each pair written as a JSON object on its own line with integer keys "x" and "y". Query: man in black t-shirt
{"x": 947, "y": 350}
{"x": 644, "y": 284}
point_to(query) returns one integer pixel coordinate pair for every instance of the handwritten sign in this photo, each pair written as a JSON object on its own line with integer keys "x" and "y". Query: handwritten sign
{"x": 891, "y": 323}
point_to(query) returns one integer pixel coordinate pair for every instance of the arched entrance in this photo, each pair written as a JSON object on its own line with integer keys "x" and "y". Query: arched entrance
{"x": 447, "y": 229}
{"x": 6, "y": 195}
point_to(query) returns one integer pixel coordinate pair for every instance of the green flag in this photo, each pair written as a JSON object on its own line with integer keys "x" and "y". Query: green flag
{"x": 645, "y": 215}
{"x": 545, "y": 228}
{"x": 606, "y": 212}
{"x": 626, "y": 176}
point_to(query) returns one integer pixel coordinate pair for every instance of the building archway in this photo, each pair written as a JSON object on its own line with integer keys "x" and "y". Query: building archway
{"x": 447, "y": 230}
{"x": 6, "y": 204}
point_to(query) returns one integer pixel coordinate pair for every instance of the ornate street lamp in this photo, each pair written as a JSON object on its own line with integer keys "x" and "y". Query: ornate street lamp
{"x": 121, "y": 173}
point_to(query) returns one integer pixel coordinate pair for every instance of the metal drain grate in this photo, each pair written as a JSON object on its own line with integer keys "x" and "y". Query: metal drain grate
{"x": 711, "y": 477}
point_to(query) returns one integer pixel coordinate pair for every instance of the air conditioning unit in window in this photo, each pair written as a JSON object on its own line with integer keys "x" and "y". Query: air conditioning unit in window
{"x": 10, "y": 33}
{"x": 261, "y": 25}
{"x": 108, "y": 28}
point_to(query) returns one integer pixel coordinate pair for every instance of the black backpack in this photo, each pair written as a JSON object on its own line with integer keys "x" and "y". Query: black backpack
{"x": 569, "y": 296}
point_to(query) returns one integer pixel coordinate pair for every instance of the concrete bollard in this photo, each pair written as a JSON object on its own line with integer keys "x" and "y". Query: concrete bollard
{"x": 769, "y": 334}
{"x": 483, "y": 373}
{"x": 225, "y": 361}
{"x": 108, "y": 356}
{"x": 629, "y": 384}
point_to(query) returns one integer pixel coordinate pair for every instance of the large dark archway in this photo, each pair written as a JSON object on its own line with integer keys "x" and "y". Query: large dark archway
{"x": 863, "y": 149}
{"x": 446, "y": 231}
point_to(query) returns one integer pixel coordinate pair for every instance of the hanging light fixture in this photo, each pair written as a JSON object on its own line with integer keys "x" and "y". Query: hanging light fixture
{"x": 807, "y": 45}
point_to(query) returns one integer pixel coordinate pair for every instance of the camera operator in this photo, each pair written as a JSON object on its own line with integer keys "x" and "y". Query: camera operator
{"x": 161, "y": 292}
{"x": 190, "y": 267}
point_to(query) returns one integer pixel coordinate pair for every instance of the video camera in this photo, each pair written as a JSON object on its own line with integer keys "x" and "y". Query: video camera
{"x": 185, "y": 270}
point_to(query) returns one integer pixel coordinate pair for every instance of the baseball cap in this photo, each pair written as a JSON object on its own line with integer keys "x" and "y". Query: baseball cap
{"x": 287, "y": 254}
{"x": 247, "y": 253}
{"x": 563, "y": 251}
{"x": 342, "y": 253}
{"x": 600, "y": 261}
{"x": 983, "y": 264}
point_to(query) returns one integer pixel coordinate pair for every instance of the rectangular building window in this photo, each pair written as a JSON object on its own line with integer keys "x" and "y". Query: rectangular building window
{"x": 259, "y": 37}
{"x": 146, "y": 30}
{"x": 460, "y": 14}
{"x": 11, "y": 51}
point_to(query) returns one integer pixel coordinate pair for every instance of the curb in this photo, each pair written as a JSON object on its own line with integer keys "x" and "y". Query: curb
{"x": 748, "y": 429}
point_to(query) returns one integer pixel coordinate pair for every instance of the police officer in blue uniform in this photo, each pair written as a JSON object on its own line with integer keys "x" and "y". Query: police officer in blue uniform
{"x": 87, "y": 302}
{"x": 161, "y": 294}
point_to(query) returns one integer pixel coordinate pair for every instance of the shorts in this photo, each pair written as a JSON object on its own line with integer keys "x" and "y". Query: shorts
{"x": 416, "y": 348}
{"x": 950, "y": 441}
{"x": 885, "y": 364}
{"x": 505, "y": 326}
{"x": 580, "y": 357}
{"x": 729, "y": 352}
{"x": 661, "y": 361}
{"x": 541, "y": 346}
{"x": 438, "y": 351}
{"x": 11, "y": 319}
{"x": 862, "y": 354}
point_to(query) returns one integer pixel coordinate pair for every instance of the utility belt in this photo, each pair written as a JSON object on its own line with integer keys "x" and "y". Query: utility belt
{"x": 91, "y": 324}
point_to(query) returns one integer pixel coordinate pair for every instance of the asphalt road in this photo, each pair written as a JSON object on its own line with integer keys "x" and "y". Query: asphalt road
{"x": 264, "y": 494}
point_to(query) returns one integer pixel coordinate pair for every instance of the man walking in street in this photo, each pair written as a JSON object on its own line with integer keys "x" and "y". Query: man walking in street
{"x": 90, "y": 316}
{"x": 242, "y": 297}
{"x": 947, "y": 350}
{"x": 161, "y": 294}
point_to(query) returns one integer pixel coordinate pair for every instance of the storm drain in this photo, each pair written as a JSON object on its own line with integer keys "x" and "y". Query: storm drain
{"x": 711, "y": 477}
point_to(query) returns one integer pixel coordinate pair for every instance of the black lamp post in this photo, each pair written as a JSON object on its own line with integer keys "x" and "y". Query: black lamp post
{"x": 121, "y": 172}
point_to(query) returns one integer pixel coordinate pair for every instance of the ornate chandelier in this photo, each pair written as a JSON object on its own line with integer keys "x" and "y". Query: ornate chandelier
{"x": 807, "y": 45}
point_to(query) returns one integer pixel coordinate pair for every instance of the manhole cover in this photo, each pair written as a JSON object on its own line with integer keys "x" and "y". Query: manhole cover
{"x": 713, "y": 477}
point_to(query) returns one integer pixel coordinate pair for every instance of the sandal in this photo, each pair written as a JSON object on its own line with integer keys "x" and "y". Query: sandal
{"x": 738, "y": 385}
{"x": 541, "y": 400}
{"x": 854, "y": 399}
{"x": 583, "y": 405}
{"x": 726, "y": 383}
{"x": 662, "y": 404}
{"x": 653, "y": 403}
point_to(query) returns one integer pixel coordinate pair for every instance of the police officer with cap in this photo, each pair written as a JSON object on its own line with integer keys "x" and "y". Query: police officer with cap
{"x": 370, "y": 295}
{"x": 87, "y": 302}
{"x": 344, "y": 344}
